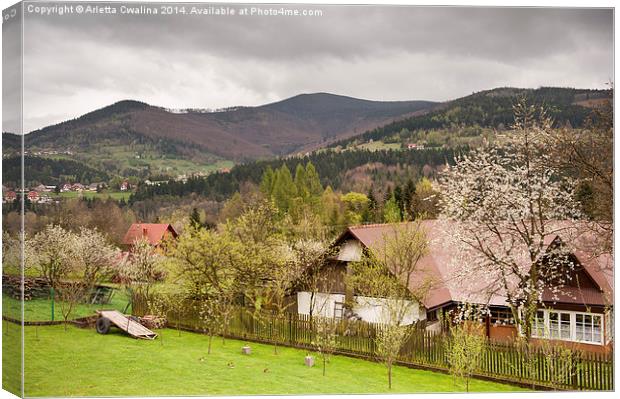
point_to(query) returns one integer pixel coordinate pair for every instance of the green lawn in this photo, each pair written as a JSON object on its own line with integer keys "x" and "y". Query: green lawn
{"x": 379, "y": 145}
{"x": 115, "y": 195}
{"x": 41, "y": 309}
{"x": 80, "y": 362}
{"x": 123, "y": 157}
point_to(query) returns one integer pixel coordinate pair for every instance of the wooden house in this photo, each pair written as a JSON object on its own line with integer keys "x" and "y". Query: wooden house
{"x": 33, "y": 196}
{"x": 10, "y": 196}
{"x": 580, "y": 315}
{"x": 155, "y": 233}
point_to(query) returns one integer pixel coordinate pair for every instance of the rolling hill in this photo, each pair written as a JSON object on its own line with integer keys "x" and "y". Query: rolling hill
{"x": 131, "y": 138}
{"x": 490, "y": 109}
{"x": 48, "y": 171}
{"x": 243, "y": 133}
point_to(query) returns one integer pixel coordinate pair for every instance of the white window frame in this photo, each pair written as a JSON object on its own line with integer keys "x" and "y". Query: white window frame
{"x": 573, "y": 326}
{"x": 602, "y": 328}
{"x": 545, "y": 323}
{"x": 338, "y": 310}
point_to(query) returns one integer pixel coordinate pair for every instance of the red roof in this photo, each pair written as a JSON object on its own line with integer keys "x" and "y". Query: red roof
{"x": 154, "y": 232}
{"x": 437, "y": 268}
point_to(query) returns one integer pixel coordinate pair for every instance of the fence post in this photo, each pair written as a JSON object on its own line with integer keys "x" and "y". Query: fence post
{"x": 506, "y": 361}
{"x": 290, "y": 328}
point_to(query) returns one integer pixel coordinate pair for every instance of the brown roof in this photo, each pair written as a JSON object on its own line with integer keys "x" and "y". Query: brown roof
{"x": 154, "y": 232}
{"x": 446, "y": 287}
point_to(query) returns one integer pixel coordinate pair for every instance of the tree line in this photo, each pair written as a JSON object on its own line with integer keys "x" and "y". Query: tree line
{"x": 492, "y": 109}
{"x": 48, "y": 171}
{"x": 330, "y": 165}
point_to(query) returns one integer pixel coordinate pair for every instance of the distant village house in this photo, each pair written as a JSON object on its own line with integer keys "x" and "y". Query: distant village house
{"x": 155, "y": 233}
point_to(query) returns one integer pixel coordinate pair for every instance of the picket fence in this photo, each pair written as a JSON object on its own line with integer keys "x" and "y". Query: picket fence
{"x": 545, "y": 369}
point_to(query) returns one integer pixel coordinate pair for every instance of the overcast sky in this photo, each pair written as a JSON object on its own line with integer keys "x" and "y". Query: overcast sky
{"x": 76, "y": 63}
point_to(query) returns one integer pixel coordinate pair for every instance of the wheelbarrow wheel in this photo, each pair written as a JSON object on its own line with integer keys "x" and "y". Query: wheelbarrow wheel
{"x": 103, "y": 325}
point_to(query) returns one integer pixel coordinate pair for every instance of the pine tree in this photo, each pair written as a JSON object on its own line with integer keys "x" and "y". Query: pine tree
{"x": 194, "y": 218}
{"x": 314, "y": 182}
{"x": 398, "y": 197}
{"x": 387, "y": 195}
{"x": 267, "y": 181}
{"x": 408, "y": 196}
{"x": 371, "y": 216}
{"x": 391, "y": 212}
{"x": 301, "y": 183}
{"x": 284, "y": 190}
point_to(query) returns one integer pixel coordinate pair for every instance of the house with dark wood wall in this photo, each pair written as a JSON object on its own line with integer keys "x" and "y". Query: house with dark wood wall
{"x": 579, "y": 316}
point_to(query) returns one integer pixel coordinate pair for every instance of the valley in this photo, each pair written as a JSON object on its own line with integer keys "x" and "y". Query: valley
{"x": 356, "y": 145}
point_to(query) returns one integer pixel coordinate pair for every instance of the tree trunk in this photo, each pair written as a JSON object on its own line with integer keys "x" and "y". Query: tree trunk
{"x": 389, "y": 367}
{"x": 224, "y": 328}
{"x": 324, "y": 364}
{"x": 179, "y": 323}
{"x": 209, "y": 348}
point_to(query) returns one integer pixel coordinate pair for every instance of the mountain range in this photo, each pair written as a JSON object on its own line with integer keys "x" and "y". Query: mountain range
{"x": 134, "y": 138}
{"x": 306, "y": 121}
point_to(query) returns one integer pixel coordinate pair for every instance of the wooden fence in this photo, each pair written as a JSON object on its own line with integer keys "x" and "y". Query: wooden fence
{"x": 545, "y": 368}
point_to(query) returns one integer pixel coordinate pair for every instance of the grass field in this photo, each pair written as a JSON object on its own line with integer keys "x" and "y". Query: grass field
{"x": 41, "y": 309}
{"x": 115, "y": 195}
{"x": 379, "y": 145}
{"x": 145, "y": 156}
{"x": 80, "y": 362}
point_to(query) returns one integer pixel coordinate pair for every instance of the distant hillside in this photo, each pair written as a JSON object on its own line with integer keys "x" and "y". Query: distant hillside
{"x": 494, "y": 109}
{"x": 48, "y": 171}
{"x": 131, "y": 138}
{"x": 381, "y": 168}
{"x": 243, "y": 133}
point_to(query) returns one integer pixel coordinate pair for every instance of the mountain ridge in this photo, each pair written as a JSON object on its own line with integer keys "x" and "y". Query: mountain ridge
{"x": 242, "y": 133}
{"x": 133, "y": 138}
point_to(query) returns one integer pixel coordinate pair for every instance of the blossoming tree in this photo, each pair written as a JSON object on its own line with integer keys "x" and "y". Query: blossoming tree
{"x": 506, "y": 205}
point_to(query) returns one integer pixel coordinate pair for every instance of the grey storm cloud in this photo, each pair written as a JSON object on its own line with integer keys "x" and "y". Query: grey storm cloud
{"x": 76, "y": 63}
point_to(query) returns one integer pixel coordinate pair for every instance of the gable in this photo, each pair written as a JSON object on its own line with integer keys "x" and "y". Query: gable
{"x": 592, "y": 280}
{"x": 153, "y": 232}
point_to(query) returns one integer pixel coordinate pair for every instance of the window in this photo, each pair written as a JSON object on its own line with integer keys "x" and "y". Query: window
{"x": 588, "y": 328}
{"x": 338, "y": 310}
{"x": 432, "y": 316}
{"x": 502, "y": 317}
{"x": 568, "y": 326}
{"x": 538, "y": 327}
{"x": 559, "y": 325}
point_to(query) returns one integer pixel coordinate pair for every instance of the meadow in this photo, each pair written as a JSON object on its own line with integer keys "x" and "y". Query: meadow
{"x": 80, "y": 362}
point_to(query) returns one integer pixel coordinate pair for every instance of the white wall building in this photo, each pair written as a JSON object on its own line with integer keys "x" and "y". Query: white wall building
{"x": 369, "y": 309}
